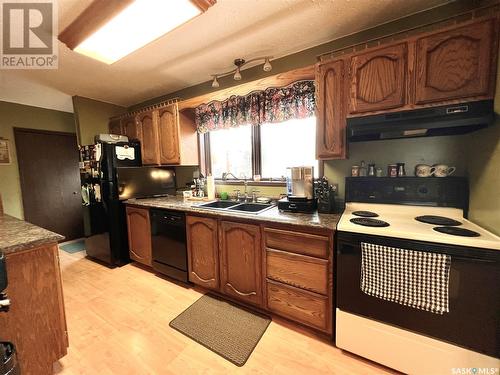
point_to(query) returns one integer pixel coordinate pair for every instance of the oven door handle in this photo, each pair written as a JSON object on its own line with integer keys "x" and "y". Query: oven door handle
{"x": 472, "y": 259}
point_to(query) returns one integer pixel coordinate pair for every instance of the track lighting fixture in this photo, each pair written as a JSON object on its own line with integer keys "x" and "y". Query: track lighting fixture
{"x": 237, "y": 71}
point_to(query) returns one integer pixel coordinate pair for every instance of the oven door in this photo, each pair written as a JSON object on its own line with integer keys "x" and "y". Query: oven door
{"x": 473, "y": 319}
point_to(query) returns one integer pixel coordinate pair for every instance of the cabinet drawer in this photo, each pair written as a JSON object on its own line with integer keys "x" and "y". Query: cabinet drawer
{"x": 297, "y": 242}
{"x": 299, "y": 305}
{"x": 298, "y": 270}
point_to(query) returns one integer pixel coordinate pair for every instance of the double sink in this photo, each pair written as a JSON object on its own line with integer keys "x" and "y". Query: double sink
{"x": 249, "y": 208}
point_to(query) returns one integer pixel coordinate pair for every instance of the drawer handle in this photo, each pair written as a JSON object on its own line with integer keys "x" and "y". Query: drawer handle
{"x": 240, "y": 293}
{"x": 201, "y": 278}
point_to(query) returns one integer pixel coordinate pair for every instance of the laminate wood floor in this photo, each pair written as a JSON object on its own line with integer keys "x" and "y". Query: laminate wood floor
{"x": 118, "y": 324}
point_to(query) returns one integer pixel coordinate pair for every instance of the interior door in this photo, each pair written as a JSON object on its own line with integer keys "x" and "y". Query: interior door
{"x": 50, "y": 180}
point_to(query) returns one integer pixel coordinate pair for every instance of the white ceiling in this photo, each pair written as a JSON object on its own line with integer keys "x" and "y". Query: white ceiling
{"x": 205, "y": 45}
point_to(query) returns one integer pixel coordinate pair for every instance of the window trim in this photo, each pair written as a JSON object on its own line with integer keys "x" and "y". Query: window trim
{"x": 206, "y": 162}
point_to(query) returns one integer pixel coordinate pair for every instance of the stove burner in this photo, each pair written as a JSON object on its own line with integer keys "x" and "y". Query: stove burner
{"x": 367, "y": 222}
{"x": 454, "y": 231}
{"x": 365, "y": 213}
{"x": 437, "y": 220}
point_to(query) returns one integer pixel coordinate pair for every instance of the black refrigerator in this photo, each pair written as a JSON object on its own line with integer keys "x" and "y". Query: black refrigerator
{"x": 104, "y": 213}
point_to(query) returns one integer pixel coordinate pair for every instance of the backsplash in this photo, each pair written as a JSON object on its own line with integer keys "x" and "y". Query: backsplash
{"x": 429, "y": 150}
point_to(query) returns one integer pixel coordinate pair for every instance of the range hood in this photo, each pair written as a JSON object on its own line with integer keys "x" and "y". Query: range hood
{"x": 444, "y": 120}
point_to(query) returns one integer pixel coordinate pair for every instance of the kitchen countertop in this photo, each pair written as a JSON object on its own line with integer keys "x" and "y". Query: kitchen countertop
{"x": 273, "y": 215}
{"x": 17, "y": 235}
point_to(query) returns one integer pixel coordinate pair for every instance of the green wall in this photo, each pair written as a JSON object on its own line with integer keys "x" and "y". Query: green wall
{"x": 92, "y": 116}
{"x": 23, "y": 116}
{"x": 482, "y": 150}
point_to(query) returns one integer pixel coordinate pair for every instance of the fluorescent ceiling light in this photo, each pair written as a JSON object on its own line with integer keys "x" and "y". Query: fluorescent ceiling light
{"x": 137, "y": 25}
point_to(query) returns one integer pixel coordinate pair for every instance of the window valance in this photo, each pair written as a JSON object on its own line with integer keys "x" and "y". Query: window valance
{"x": 295, "y": 101}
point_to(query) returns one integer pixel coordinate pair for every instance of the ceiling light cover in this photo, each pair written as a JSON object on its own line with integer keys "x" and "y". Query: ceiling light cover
{"x": 137, "y": 25}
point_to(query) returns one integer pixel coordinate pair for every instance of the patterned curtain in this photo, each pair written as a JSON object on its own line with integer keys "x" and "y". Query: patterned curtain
{"x": 295, "y": 101}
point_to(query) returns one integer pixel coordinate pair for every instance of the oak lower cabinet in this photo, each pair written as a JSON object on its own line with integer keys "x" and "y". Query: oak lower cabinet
{"x": 285, "y": 271}
{"x": 36, "y": 321}
{"x": 457, "y": 63}
{"x": 241, "y": 261}
{"x": 203, "y": 251}
{"x": 331, "y": 114}
{"x": 299, "y": 276}
{"x": 139, "y": 235}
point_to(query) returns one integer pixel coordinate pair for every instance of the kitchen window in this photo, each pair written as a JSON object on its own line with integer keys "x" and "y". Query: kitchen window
{"x": 261, "y": 133}
{"x": 231, "y": 151}
{"x": 280, "y": 145}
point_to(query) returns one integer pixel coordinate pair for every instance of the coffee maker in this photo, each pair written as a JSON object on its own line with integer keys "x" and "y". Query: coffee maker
{"x": 300, "y": 191}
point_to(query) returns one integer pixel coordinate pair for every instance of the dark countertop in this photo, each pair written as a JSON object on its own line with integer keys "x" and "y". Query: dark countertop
{"x": 17, "y": 235}
{"x": 273, "y": 215}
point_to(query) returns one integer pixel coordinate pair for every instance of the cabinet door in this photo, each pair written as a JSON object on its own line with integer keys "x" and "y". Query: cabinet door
{"x": 114, "y": 126}
{"x": 148, "y": 125}
{"x": 168, "y": 130}
{"x": 203, "y": 259}
{"x": 129, "y": 127}
{"x": 139, "y": 235}
{"x": 378, "y": 79}
{"x": 330, "y": 120}
{"x": 241, "y": 265}
{"x": 455, "y": 64}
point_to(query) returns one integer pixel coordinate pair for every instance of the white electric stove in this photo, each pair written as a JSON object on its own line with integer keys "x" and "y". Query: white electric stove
{"x": 402, "y": 222}
{"x": 388, "y": 223}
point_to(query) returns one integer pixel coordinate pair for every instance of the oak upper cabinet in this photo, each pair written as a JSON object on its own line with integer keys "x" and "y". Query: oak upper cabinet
{"x": 330, "y": 107}
{"x": 168, "y": 131}
{"x": 129, "y": 127}
{"x": 203, "y": 259}
{"x": 114, "y": 126}
{"x": 241, "y": 261}
{"x": 456, "y": 64}
{"x": 147, "y": 123}
{"x": 139, "y": 235}
{"x": 378, "y": 79}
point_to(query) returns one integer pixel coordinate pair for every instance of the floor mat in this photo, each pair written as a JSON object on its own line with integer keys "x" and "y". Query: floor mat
{"x": 226, "y": 329}
{"x": 73, "y": 247}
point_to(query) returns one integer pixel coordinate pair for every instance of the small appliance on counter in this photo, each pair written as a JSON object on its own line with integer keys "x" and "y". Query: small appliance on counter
{"x": 326, "y": 196}
{"x": 300, "y": 191}
{"x": 8, "y": 358}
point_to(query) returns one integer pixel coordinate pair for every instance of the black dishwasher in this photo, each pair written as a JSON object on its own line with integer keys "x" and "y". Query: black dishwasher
{"x": 168, "y": 232}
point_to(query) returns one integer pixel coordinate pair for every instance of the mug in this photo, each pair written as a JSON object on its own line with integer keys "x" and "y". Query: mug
{"x": 442, "y": 170}
{"x": 424, "y": 170}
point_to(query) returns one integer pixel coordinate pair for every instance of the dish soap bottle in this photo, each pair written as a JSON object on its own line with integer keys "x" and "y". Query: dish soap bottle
{"x": 210, "y": 187}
